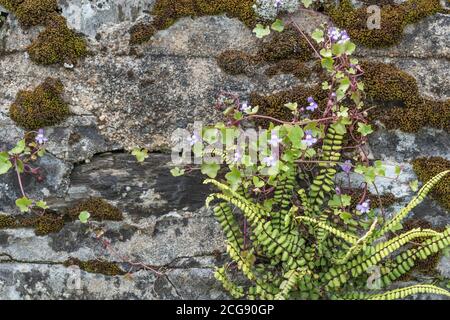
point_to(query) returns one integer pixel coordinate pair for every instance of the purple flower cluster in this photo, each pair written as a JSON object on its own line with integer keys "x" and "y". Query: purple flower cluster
{"x": 337, "y": 35}
{"x": 312, "y": 104}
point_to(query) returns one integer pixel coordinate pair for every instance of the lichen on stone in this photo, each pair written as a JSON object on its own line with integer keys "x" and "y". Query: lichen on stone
{"x": 426, "y": 169}
{"x": 57, "y": 44}
{"x": 40, "y": 107}
{"x": 394, "y": 18}
{"x": 167, "y": 12}
{"x": 399, "y": 104}
{"x": 96, "y": 266}
{"x": 98, "y": 208}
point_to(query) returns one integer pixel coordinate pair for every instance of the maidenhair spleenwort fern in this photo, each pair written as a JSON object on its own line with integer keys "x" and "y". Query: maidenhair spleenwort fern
{"x": 283, "y": 260}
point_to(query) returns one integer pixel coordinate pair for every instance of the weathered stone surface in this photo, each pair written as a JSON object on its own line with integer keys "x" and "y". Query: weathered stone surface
{"x": 123, "y": 97}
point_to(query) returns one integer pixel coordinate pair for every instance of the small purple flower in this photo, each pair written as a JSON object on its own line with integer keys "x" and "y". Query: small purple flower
{"x": 364, "y": 207}
{"x": 312, "y": 104}
{"x": 40, "y": 137}
{"x": 269, "y": 161}
{"x": 194, "y": 139}
{"x": 347, "y": 166}
{"x": 274, "y": 140}
{"x": 245, "y": 107}
{"x": 309, "y": 139}
{"x": 338, "y": 191}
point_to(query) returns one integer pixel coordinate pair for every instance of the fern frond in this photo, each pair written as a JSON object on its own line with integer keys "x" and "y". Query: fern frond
{"x": 345, "y": 236}
{"x": 407, "y": 259}
{"x": 323, "y": 183}
{"x": 423, "y": 192}
{"x": 363, "y": 262}
{"x": 408, "y": 291}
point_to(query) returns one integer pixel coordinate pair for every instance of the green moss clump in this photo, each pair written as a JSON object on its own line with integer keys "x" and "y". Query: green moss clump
{"x": 57, "y": 44}
{"x": 42, "y": 224}
{"x": 98, "y": 208}
{"x": 235, "y": 62}
{"x": 394, "y": 18}
{"x": 427, "y": 168}
{"x": 35, "y": 12}
{"x": 96, "y": 266}
{"x": 11, "y": 5}
{"x": 285, "y": 45}
{"x": 7, "y": 222}
{"x": 141, "y": 32}
{"x": 41, "y": 107}
{"x": 409, "y": 111}
{"x": 167, "y": 12}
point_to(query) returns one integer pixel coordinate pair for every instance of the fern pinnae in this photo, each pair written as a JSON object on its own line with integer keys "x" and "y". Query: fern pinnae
{"x": 423, "y": 192}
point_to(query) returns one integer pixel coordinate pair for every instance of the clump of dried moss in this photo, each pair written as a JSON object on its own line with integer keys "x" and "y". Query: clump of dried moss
{"x": 57, "y": 44}
{"x": 235, "y": 62}
{"x": 42, "y": 224}
{"x": 273, "y": 105}
{"x": 167, "y": 12}
{"x": 96, "y": 266}
{"x": 427, "y": 168}
{"x": 34, "y": 12}
{"x": 409, "y": 111}
{"x": 394, "y": 18}
{"x": 98, "y": 208}
{"x": 41, "y": 107}
{"x": 387, "y": 199}
{"x": 285, "y": 45}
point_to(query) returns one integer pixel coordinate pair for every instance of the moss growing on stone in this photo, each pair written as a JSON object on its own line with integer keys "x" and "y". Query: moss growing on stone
{"x": 427, "y": 168}
{"x": 387, "y": 199}
{"x": 273, "y": 105}
{"x": 7, "y": 222}
{"x": 42, "y": 224}
{"x": 167, "y": 12}
{"x": 141, "y": 32}
{"x": 98, "y": 208}
{"x": 285, "y": 45}
{"x": 394, "y": 18}
{"x": 41, "y": 107}
{"x": 57, "y": 44}
{"x": 96, "y": 266}
{"x": 235, "y": 62}
{"x": 35, "y": 12}
{"x": 408, "y": 110}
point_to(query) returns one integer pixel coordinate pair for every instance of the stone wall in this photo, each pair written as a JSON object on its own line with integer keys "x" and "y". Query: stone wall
{"x": 122, "y": 97}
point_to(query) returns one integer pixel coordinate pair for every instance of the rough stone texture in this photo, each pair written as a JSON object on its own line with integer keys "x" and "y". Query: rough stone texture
{"x": 123, "y": 97}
